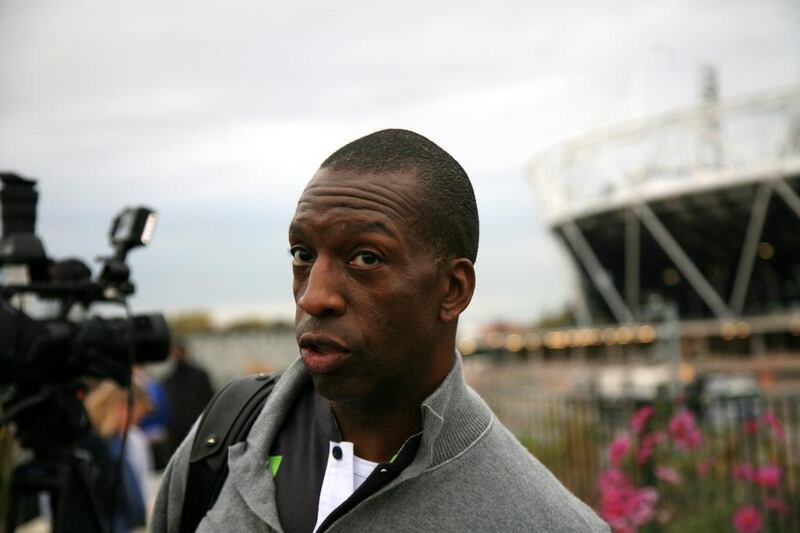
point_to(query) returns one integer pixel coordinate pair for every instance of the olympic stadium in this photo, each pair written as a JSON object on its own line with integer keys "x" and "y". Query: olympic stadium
{"x": 682, "y": 226}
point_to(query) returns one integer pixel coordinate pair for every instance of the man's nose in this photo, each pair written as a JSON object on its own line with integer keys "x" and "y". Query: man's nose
{"x": 322, "y": 294}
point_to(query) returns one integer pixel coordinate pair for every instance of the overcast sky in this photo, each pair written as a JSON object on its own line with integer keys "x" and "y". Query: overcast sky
{"x": 217, "y": 114}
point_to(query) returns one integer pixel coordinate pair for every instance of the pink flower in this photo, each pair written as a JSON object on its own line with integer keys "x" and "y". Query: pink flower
{"x": 613, "y": 507}
{"x": 775, "y": 425}
{"x": 647, "y": 445}
{"x": 669, "y": 475}
{"x": 613, "y": 478}
{"x": 748, "y": 520}
{"x": 743, "y": 471}
{"x": 768, "y": 476}
{"x": 623, "y": 506}
{"x": 777, "y": 506}
{"x": 684, "y": 431}
{"x": 642, "y": 507}
{"x": 626, "y": 509}
{"x": 750, "y": 426}
{"x": 640, "y": 418}
{"x": 704, "y": 468}
{"x": 618, "y": 449}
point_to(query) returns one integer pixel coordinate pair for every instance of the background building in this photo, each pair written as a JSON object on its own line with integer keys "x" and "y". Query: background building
{"x": 689, "y": 219}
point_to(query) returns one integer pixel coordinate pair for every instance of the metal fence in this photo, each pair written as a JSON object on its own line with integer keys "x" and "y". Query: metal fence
{"x": 741, "y": 439}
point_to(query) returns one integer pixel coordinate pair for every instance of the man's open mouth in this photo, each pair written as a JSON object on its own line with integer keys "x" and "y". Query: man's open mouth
{"x": 321, "y": 353}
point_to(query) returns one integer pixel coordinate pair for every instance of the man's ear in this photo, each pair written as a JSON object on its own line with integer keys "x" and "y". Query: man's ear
{"x": 459, "y": 280}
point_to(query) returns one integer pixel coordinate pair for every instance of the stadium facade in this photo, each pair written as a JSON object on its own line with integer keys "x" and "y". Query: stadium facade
{"x": 690, "y": 219}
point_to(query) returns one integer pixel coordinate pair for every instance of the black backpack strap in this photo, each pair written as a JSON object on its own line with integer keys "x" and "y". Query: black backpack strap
{"x": 226, "y": 420}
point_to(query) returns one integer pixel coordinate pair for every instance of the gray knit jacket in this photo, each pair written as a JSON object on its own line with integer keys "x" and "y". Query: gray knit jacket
{"x": 469, "y": 474}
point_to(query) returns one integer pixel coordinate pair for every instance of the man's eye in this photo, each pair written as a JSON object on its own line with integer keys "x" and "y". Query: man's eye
{"x": 365, "y": 259}
{"x": 300, "y": 255}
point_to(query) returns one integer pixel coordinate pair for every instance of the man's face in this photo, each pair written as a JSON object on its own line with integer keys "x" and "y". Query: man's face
{"x": 364, "y": 285}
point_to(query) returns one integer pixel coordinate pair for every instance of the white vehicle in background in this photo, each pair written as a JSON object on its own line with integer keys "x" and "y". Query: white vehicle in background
{"x": 729, "y": 398}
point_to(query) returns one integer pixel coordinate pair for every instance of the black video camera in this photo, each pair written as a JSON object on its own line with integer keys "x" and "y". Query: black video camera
{"x": 43, "y": 360}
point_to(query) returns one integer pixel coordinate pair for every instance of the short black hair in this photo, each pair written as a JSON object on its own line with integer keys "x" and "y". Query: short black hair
{"x": 447, "y": 200}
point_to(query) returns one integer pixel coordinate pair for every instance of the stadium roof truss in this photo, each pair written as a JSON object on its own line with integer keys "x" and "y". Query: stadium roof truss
{"x": 689, "y": 206}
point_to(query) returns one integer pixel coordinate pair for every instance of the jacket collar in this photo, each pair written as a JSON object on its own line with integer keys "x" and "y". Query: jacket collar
{"x": 453, "y": 418}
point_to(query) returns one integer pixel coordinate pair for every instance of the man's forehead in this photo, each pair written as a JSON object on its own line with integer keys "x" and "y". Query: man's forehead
{"x": 342, "y": 222}
{"x": 393, "y": 194}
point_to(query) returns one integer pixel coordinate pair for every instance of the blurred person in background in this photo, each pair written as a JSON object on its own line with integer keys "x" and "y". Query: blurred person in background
{"x": 107, "y": 406}
{"x": 155, "y": 424}
{"x": 188, "y": 390}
